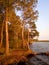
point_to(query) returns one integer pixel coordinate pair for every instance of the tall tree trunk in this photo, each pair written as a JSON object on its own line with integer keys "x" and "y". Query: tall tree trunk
{"x": 28, "y": 40}
{"x": 23, "y": 38}
{"x": 6, "y": 26}
{"x": 23, "y": 35}
{"x": 2, "y": 34}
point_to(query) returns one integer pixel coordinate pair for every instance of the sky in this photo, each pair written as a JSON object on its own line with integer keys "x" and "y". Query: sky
{"x": 43, "y": 19}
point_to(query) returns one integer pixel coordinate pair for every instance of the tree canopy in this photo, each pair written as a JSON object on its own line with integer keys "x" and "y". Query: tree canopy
{"x": 16, "y": 25}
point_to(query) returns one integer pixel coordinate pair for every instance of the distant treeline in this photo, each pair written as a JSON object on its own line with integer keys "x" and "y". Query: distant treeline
{"x": 41, "y": 40}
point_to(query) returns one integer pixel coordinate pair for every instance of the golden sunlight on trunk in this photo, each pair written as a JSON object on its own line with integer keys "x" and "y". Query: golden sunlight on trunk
{"x": 6, "y": 26}
{"x": 2, "y": 34}
{"x": 23, "y": 35}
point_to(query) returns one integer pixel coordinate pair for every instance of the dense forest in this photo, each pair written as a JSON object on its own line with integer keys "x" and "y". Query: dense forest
{"x": 17, "y": 30}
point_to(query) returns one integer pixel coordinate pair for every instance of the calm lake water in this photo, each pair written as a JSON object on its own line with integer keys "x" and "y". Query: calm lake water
{"x": 40, "y": 46}
{"x": 39, "y": 59}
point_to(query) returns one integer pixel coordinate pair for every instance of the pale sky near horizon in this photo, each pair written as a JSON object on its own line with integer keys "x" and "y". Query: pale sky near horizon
{"x": 43, "y": 19}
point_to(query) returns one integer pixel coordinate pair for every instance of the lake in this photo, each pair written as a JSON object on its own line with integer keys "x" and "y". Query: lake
{"x": 40, "y": 46}
{"x": 40, "y": 59}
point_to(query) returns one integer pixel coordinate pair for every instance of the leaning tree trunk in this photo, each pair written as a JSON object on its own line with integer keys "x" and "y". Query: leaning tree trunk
{"x": 6, "y": 27}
